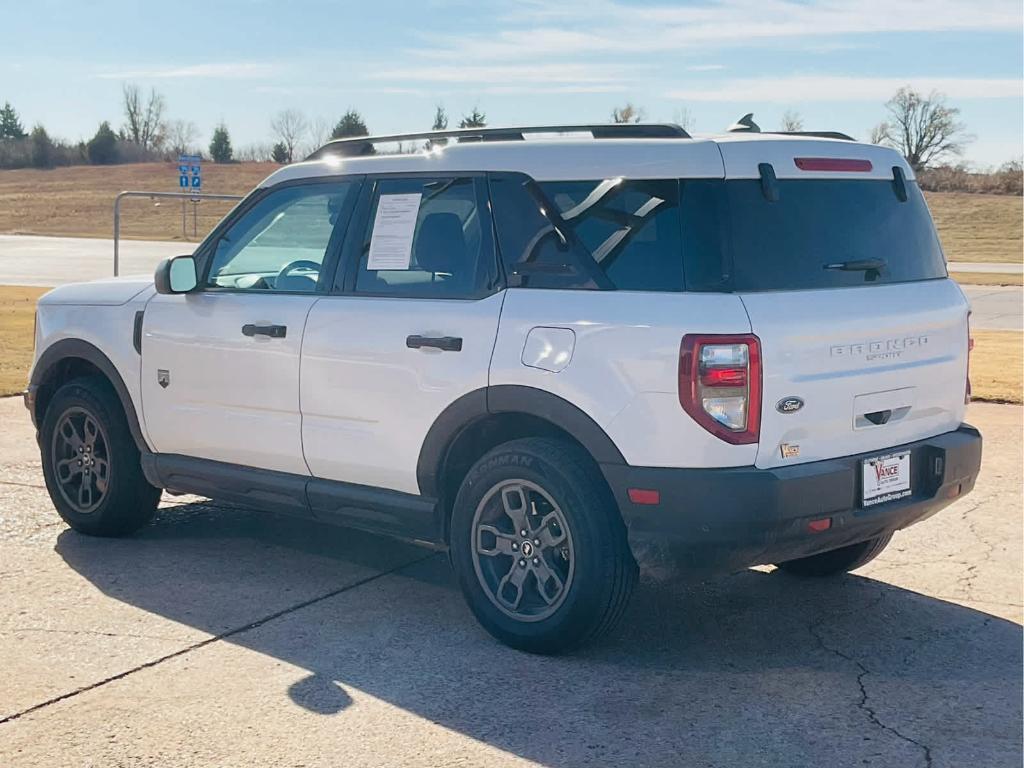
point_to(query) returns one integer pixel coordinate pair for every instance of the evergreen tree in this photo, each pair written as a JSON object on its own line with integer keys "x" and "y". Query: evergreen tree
{"x": 220, "y": 145}
{"x": 351, "y": 124}
{"x": 279, "y": 154}
{"x": 475, "y": 119}
{"x": 102, "y": 148}
{"x": 42, "y": 148}
{"x": 10, "y": 125}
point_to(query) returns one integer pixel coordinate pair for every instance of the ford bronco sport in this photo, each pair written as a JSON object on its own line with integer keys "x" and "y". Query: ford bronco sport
{"x": 553, "y": 356}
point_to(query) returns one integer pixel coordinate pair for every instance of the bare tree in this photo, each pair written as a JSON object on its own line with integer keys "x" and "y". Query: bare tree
{"x": 319, "y": 133}
{"x": 627, "y": 114}
{"x": 923, "y": 128}
{"x": 289, "y": 127}
{"x": 878, "y": 133}
{"x": 683, "y": 118}
{"x": 182, "y": 136}
{"x": 791, "y": 121}
{"x": 145, "y": 118}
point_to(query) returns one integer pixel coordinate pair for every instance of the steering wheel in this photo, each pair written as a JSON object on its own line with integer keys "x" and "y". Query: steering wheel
{"x": 297, "y": 264}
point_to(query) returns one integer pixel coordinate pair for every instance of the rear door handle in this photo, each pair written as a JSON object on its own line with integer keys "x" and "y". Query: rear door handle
{"x": 273, "y": 331}
{"x": 444, "y": 343}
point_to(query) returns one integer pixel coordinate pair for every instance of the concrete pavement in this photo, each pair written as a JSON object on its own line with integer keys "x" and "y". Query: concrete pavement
{"x": 217, "y": 637}
{"x": 997, "y": 307}
{"x": 990, "y": 268}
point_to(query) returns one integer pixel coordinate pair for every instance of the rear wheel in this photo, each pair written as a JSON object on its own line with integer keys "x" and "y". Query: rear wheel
{"x": 91, "y": 462}
{"x": 539, "y": 547}
{"x": 838, "y": 561}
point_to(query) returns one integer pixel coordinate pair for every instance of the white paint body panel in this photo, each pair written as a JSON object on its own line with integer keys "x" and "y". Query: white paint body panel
{"x": 368, "y": 400}
{"x": 741, "y": 157}
{"x": 79, "y": 311}
{"x": 832, "y": 349}
{"x": 232, "y": 398}
{"x": 624, "y": 368}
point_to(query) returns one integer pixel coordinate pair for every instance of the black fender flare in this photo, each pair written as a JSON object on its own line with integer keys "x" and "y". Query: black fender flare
{"x": 66, "y": 349}
{"x": 507, "y": 398}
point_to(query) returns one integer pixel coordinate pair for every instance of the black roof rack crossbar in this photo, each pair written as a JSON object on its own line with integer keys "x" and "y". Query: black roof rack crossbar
{"x": 363, "y": 145}
{"x": 818, "y": 134}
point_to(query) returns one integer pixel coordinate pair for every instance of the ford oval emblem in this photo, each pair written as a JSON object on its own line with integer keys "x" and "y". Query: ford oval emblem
{"x": 789, "y": 405}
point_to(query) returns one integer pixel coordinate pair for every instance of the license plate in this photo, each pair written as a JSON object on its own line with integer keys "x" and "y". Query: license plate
{"x": 886, "y": 478}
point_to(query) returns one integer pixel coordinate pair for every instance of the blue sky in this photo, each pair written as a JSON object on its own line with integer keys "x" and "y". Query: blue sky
{"x": 835, "y": 62}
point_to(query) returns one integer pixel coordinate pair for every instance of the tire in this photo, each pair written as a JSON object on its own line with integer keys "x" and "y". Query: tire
{"x": 564, "y": 584}
{"x": 105, "y": 494}
{"x": 837, "y": 561}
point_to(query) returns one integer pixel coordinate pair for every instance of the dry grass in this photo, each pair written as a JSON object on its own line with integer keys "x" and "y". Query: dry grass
{"x": 997, "y": 366}
{"x": 78, "y": 201}
{"x": 983, "y": 278}
{"x": 17, "y": 310}
{"x": 979, "y": 227}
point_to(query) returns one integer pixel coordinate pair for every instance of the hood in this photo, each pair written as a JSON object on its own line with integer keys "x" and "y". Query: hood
{"x": 111, "y": 291}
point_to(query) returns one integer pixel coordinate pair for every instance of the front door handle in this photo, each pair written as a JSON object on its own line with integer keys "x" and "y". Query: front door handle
{"x": 444, "y": 343}
{"x": 273, "y": 331}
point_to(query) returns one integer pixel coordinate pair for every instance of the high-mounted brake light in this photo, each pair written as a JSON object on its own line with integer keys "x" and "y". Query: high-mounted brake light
{"x": 848, "y": 164}
{"x": 720, "y": 385}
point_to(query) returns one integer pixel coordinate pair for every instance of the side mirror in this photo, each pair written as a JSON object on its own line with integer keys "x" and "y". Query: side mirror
{"x": 177, "y": 275}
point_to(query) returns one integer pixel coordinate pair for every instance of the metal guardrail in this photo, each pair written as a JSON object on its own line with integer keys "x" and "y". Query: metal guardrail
{"x": 183, "y": 196}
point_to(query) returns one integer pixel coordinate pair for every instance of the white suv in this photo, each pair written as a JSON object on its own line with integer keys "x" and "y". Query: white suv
{"x": 554, "y": 357}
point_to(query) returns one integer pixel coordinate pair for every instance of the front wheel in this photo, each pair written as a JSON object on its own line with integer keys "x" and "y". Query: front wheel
{"x": 539, "y": 547}
{"x": 838, "y": 561}
{"x": 91, "y": 462}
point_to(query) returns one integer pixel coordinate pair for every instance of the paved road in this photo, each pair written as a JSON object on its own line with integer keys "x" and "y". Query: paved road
{"x": 32, "y": 260}
{"x": 35, "y": 260}
{"x": 221, "y": 638}
{"x": 987, "y": 268}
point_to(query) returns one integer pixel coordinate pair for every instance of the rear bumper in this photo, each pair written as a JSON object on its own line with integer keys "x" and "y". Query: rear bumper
{"x": 726, "y": 519}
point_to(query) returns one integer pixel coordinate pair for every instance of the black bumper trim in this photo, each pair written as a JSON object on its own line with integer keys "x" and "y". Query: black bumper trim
{"x": 725, "y": 519}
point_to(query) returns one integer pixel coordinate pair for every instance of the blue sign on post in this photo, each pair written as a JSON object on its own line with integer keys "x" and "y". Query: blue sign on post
{"x": 190, "y": 172}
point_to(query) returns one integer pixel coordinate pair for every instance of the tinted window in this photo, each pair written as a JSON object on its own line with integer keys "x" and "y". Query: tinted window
{"x": 280, "y": 243}
{"x": 451, "y": 254}
{"x": 788, "y": 244}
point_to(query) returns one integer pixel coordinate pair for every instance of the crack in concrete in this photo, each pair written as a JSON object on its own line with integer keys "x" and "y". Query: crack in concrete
{"x": 966, "y": 581}
{"x": 210, "y": 640}
{"x": 863, "y": 705}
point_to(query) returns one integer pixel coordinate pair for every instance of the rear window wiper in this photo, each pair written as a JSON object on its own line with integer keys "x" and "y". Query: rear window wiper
{"x": 859, "y": 265}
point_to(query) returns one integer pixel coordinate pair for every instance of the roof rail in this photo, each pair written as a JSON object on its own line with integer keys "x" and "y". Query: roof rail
{"x": 363, "y": 145}
{"x": 818, "y": 134}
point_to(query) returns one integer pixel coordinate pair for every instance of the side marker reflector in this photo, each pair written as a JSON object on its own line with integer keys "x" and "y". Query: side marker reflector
{"x": 644, "y": 496}
{"x": 817, "y": 526}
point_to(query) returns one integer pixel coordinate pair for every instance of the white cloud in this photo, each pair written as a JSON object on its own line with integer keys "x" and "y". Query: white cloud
{"x": 807, "y": 88}
{"x": 705, "y": 67}
{"x": 239, "y": 70}
{"x": 574, "y": 27}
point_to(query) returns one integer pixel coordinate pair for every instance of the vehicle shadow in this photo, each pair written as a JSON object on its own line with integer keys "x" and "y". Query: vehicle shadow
{"x": 751, "y": 669}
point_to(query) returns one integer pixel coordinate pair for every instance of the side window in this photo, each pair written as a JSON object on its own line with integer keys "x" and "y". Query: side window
{"x": 629, "y": 228}
{"x": 427, "y": 238}
{"x": 281, "y": 242}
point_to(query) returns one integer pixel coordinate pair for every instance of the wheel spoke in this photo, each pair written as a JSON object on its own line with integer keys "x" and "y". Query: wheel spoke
{"x": 85, "y": 493}
{"x": 70, "y": 435}
{"x": 547, "y": 536}
{"x": 516, "y": 504}
{"x": 91, "y": 431}
{"x": 502, "y": 541}
{"x": 549, "y": 583}
{"x": 515, "y": 577}
{"x": 67, "y": 469}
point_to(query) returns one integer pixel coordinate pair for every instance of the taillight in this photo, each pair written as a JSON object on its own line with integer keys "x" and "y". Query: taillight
{"x": 970, "y": 348}
{"x": 720, "y": 385}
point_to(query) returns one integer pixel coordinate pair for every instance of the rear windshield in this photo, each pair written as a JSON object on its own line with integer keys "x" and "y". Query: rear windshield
{"x": 713, "y": 235}
{"x": 828, "y": 234}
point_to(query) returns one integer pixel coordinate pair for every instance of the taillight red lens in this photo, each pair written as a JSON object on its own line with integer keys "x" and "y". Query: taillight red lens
{"x": 720, "y": 384}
